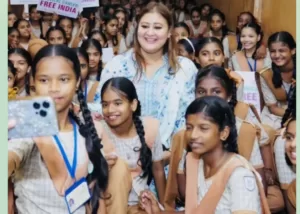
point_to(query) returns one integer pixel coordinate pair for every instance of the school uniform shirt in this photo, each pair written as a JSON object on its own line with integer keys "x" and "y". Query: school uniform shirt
{"x": 165, "y": 96}
{"x": 285, "y": 173}
{"x": 266, "y": 116}
{"x": 234, "y": 64}
{"x": 125, "y": 150}
{"x": 241, "y": 192}
{"x": 33, "y": 187}
{"x": 196, "y": 32}
{"x": 36, "y": 31}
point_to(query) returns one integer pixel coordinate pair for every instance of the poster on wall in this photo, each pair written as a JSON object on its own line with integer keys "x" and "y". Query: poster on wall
{"x": 89, "y": 3}
{"x": 251, "y": 92}
{"x": 22, "y": 2}
{"x": 69, "y": 8}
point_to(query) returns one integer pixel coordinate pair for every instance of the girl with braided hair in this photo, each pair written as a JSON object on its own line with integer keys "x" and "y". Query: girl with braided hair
{"x": 39, "y": 166}
{"x": 136, "y": 142}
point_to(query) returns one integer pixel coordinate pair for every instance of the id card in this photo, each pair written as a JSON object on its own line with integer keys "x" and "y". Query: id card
{"x": 77, "y": 195}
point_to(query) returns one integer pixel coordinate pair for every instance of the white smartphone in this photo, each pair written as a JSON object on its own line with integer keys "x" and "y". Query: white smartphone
{"x": 34, "y": 116}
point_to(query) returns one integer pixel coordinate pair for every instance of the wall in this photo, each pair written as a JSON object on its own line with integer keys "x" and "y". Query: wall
{"x": 275, "y": 15}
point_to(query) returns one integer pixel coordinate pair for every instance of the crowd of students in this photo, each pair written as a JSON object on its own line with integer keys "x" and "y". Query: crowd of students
{"x": 162, "y": 126}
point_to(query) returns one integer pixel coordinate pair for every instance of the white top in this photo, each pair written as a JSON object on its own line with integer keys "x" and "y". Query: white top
{"x": 33, "y": 186}
{"x": 241, "y": 192}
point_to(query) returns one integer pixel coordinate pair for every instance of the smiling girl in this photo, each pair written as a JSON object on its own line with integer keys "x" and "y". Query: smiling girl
{"x": 40, "y": 174}
{"x": 218, "y": 179}
{"x": 23, "y": 27}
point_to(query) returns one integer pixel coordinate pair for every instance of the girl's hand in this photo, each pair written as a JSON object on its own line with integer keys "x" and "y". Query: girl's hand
{"x": 149, "y": 203}
{"x": 55, "y": 17}
{"x": 261, "y": 52}
{"x": 11, "y": 124}
{"x": 25, "y": 15}
{"x": 96, "y": 116}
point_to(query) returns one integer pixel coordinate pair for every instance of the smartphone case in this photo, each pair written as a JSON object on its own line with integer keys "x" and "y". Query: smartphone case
{"x": 35, "y": 117}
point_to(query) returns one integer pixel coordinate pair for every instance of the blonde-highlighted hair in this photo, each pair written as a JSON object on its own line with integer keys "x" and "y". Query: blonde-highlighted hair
{"x": 169, "y": 47}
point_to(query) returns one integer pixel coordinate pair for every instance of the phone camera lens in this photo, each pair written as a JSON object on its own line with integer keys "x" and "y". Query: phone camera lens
{"x": 46, "y": 104}
{"x": 36, "y": 105}
{"x": 43, "y": 113}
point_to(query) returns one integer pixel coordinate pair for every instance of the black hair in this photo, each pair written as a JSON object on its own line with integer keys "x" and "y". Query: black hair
{"x": 87, "y": 129}
{"x": 196, "y": 9}
{"x": 220, "y": 75}
{"x": 106, "y": 19}
{"x": 81, "y": 52}
{"x": 218, "y": 112}
{"x": 12, "y": 29}
{"x": 11, "y": 67}
{"x": 291, "y": 109}
{"x": 27, "y": 83}
{"x": 56, "y": 28}
{"x": 183, "y": 25}
{"x": 253, "y": 19}
{"x": 94, "y": 43}
{"x": 224, "y": 28}
{"x": 86, "y": 13}
{"x": 31, "y": 8}
{"x": 125, "y": 26}
{"x": 65, "y": 17}
{"x": 287, "y": 39}
{"x": 189, "y": 46}
{"x": 203, "y": 6}
{"x": 107, "y": 8}
{"x": 100, "y": 32}
{"x": 257, "y": 28}
{"x": 126, "y": 88}
{"x": 9, "y": 13}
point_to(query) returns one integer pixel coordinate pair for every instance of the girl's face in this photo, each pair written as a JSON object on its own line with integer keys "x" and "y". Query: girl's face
{"x": 153, "y": 32}
{"x": 196, "y": 18}
{"x": 290, "y": 142}
{"x": 99, "y": 38}
{"x": 20, "y": 64}
{"x": 94, "y": 57}
{"x": 182, "y": 52}
{"x": 116, "y": 109}
{"x": 216, "y": 23}
{"x": 243, "y": 20}
{"x": 11, "y": 79}
{"x": 181, "y": 4}
{"x": 202, "y": 134}
{"x": 84, "y": 69}
{"x": 249, "y": 38}
{"x": 66, "y": 24}
{"x": 210, "y": 86}
{"x": 14, "y": 38}
{"x": 121, "y": 19}
{"x": 47, "y": 17}
{"x": 179, "y": 33}
{"x": 281, "y": 54}
{"x": 56, "y": 37}
{"x": 55, "y": 77}
{"x": 211, "y": 54}
{"x": 35, "y": 15}
{"x": 112, "y": 27}
{"x": 24, "y": 29}
{"x": 111, "y": 11}
{"x": 205, "y": 11}
{"x": 12, "y": 18}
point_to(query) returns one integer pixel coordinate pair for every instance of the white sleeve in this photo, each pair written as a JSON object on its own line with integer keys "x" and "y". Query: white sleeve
{"x": 244, "y": 191}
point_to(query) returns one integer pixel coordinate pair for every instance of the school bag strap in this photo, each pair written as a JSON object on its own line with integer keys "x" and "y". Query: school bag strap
{"x": 211, "y": 199}
{"x": 178, "y": 145}
{"x": 92, "y": 92}
{"x": 267, "y": 75}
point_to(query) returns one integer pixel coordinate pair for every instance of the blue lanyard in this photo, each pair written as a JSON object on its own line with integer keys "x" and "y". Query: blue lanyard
{"x": 85, "y": 90}
{"x": 71, "y": 169}
{"x": 250, "y": 66}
